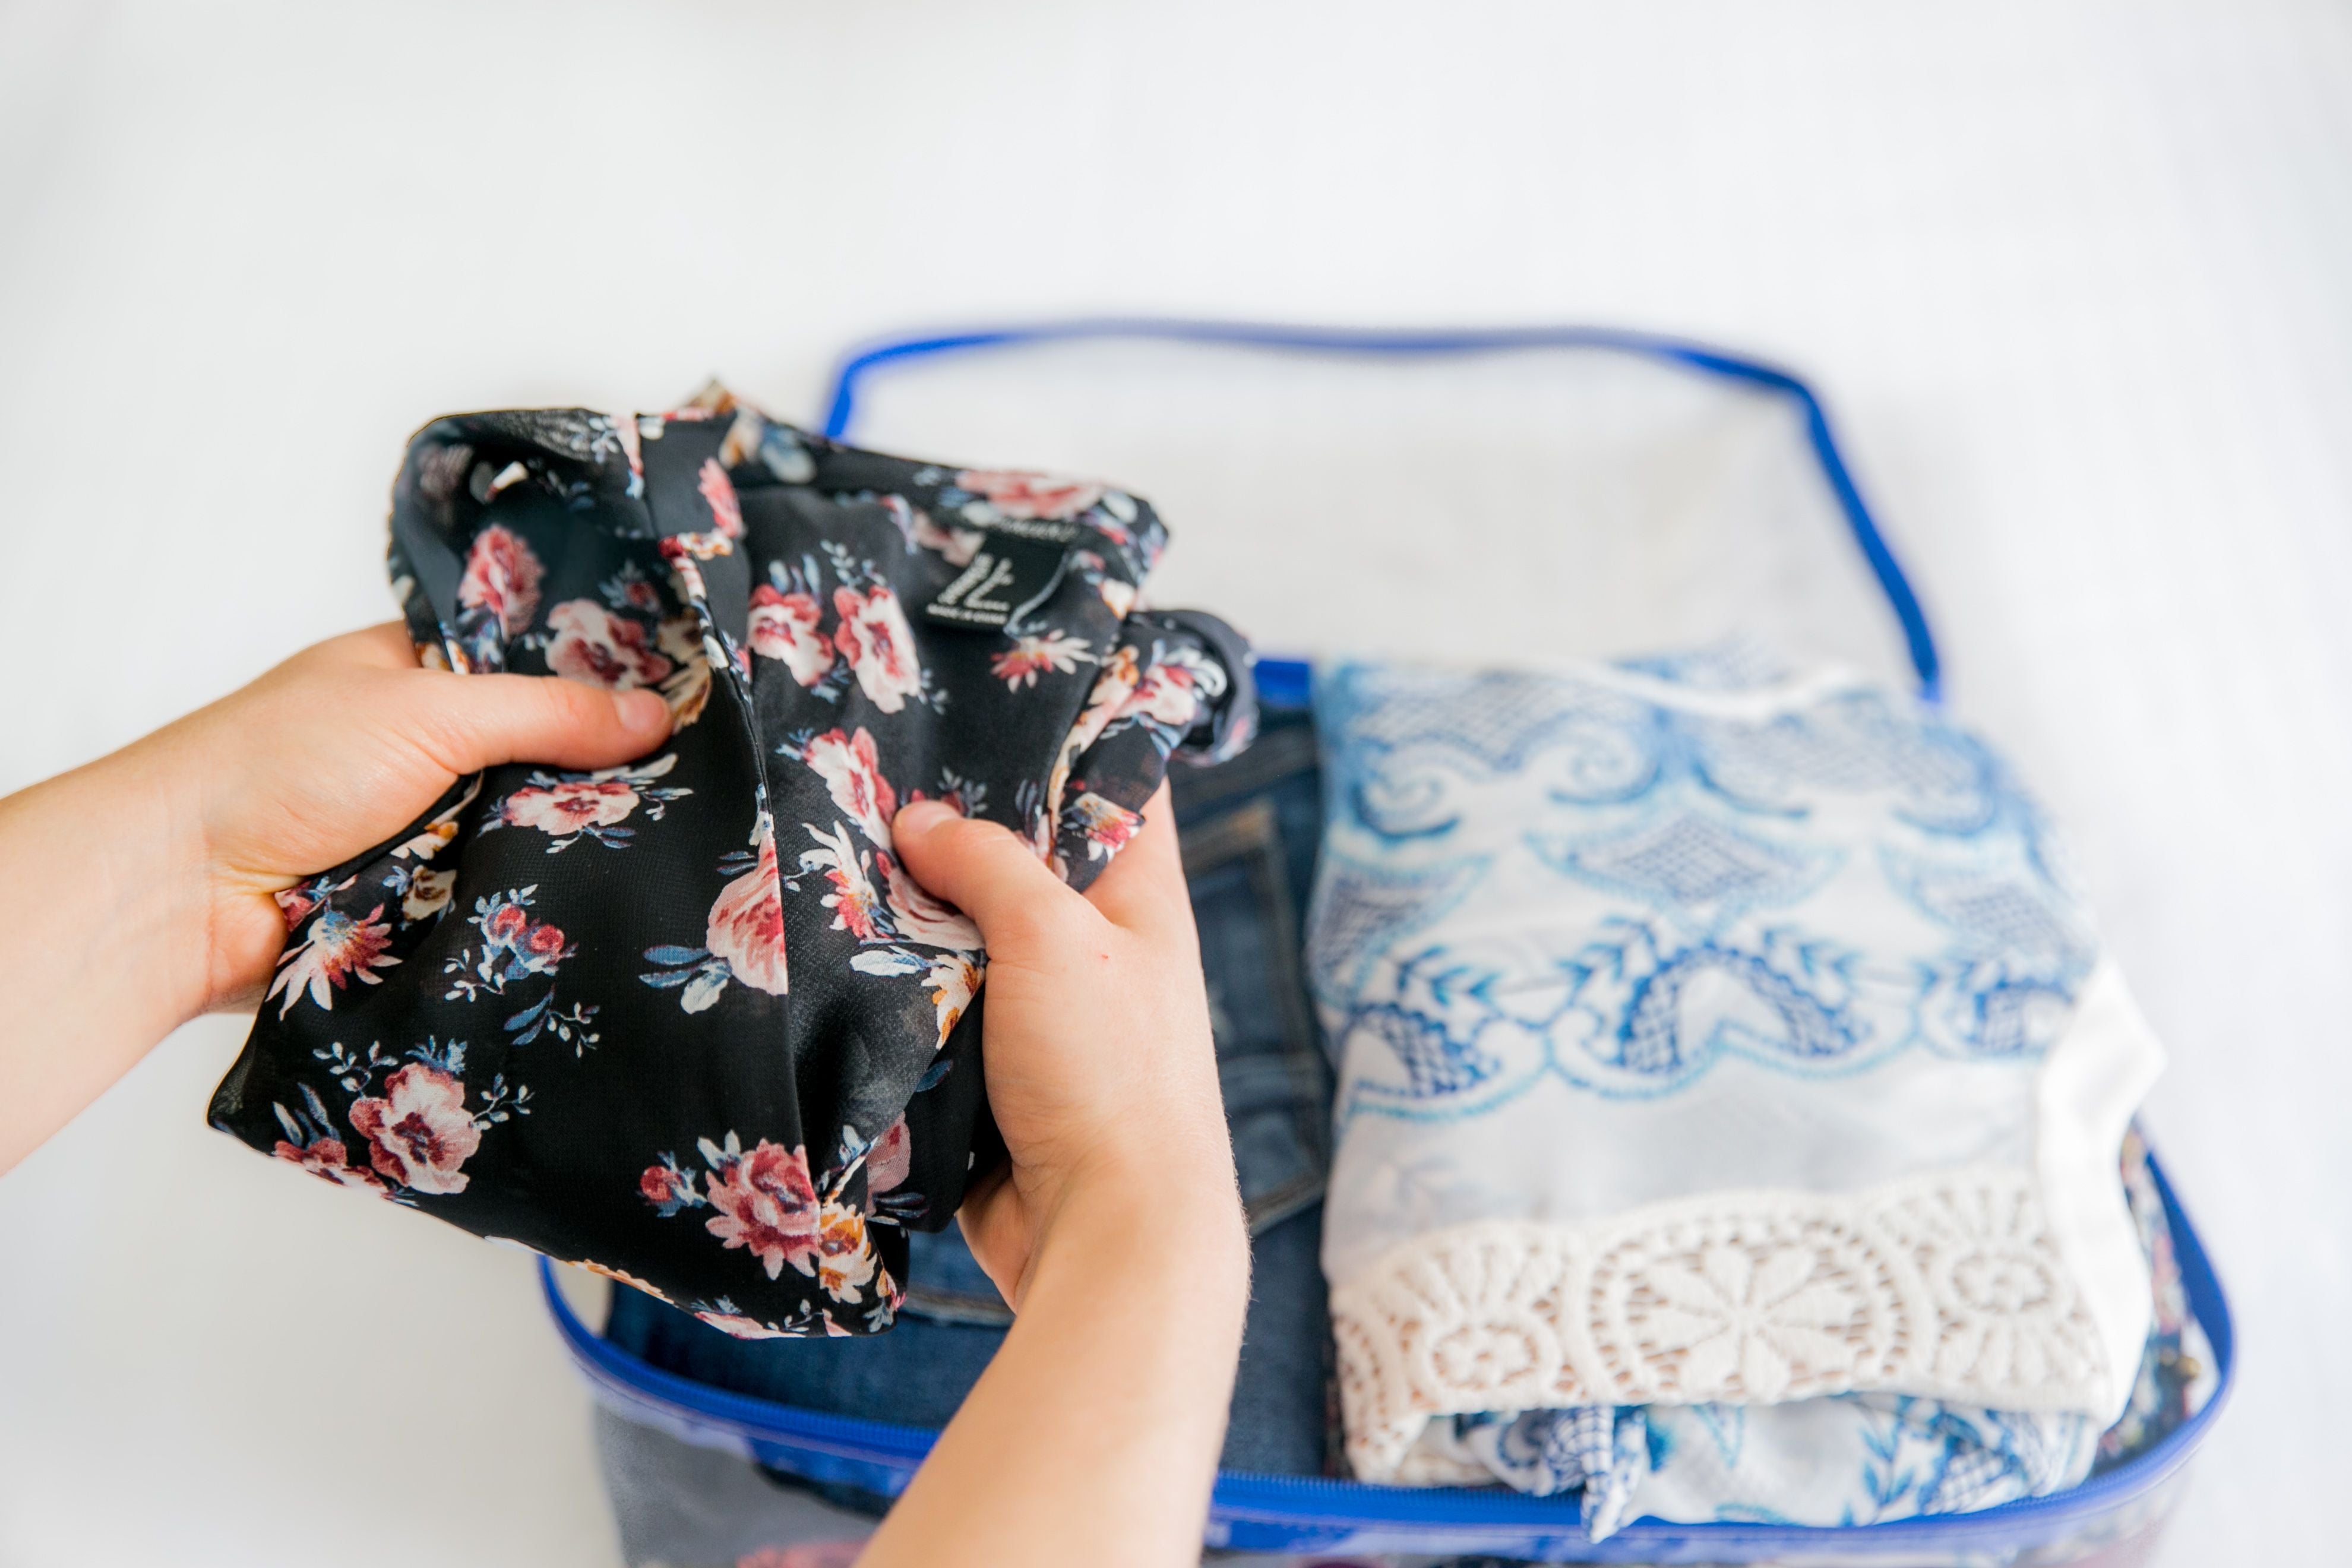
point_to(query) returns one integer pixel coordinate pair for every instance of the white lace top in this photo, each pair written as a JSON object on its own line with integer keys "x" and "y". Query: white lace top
{"x": 1705, "y": 1038}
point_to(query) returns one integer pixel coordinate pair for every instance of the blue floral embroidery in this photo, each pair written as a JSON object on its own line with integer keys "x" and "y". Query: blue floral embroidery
{"x": 1691, "y": 864}
{"x": 1708, "y": 857}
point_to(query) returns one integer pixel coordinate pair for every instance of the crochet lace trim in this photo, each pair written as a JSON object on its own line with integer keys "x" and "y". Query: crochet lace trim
{"x": 1949, "y": 1285}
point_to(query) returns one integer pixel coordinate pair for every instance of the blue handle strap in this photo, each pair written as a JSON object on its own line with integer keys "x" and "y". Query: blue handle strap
{"x": 1431, "y": 342}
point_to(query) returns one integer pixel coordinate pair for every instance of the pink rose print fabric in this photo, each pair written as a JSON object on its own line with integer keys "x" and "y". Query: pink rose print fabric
{"x": 419, "y": 1132}
{"x": 689, "y": 1022}
{"x": 592, "y": 645}
{"x": 783, "y": 626}
{"x": 502, "y": 580}
{"x": 747, "y": 923}
{"x": 878, "y": 644}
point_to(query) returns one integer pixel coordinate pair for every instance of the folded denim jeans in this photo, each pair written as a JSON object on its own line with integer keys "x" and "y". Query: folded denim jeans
{"x": 1250, "y": 828}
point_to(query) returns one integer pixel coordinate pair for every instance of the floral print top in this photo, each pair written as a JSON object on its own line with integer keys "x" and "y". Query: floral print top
{"x": 689, "y": 1022}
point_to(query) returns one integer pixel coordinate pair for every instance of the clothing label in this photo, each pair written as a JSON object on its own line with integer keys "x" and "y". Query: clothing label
{"x": 1010, "y": 577}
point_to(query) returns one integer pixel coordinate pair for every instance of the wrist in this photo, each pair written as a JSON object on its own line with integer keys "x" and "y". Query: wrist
{"x": 1171, "y": 1225}
{"x": 150, "y": 869}
{"x": 227, "y": 928}
{"x": 107, "y": 955}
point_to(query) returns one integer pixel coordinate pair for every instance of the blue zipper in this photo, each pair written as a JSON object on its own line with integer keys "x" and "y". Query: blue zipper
{"x": 1274, "y": 1512}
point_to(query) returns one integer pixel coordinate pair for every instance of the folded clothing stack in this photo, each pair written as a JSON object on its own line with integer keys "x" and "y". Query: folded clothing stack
{"x": 1731, "y": 1096}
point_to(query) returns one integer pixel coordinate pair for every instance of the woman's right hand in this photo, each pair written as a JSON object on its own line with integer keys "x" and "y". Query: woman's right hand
{"x": 1114, "y": 1231}
{"x": 1100, "y": 1070}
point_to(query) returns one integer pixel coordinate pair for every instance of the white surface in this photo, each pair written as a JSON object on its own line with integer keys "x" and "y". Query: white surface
{"x": 2074, "y": 278}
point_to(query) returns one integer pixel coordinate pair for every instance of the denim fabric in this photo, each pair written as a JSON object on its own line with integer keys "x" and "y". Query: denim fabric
{"x": 1249, "y": 852}
{"x": 1250, "y": 828}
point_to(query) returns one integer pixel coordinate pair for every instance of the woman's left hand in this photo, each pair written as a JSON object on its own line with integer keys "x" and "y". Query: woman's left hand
{"x": 145, "y": 879}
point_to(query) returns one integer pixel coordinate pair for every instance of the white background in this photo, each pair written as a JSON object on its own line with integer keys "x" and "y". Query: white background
{"x": 2079, "y": 280}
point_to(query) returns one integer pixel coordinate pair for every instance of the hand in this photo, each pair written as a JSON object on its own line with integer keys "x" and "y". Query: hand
{"x": 340, "y": 748}
{"x": 1116, "y": 1231}
{"x": 1100, "y": 1070}
{"x": 151, "y": 870}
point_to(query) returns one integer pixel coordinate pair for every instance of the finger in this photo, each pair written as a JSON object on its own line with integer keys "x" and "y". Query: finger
{"x": 1021, "y": 907}
{"x": 386, "y": 645}
{"x": 1143, "y": 889}
{"x": 474, "y": 721}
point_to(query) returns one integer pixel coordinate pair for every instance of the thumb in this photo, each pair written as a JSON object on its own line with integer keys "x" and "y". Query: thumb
{"x": 1019, "y": 906}
{"x": 481, "y": 721}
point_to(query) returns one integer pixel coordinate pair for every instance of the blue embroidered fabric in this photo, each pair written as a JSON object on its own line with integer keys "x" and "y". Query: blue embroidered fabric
{"x": 1681, "y": 818}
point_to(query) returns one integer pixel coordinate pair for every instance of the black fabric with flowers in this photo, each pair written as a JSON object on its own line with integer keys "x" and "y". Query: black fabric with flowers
{"x": 688, "y": 1022}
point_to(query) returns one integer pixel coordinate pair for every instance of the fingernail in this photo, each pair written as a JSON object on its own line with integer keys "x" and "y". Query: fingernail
{"x": 921, "y": 815}
{"x": 641, "y": 709}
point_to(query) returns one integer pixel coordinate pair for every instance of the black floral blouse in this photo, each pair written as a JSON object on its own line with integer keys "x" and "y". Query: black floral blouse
{"x": 688, "y": 1022}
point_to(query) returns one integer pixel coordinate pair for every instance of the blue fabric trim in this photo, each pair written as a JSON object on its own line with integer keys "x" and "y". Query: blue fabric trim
{"x": 841, "y": 402}
{"x": 1284, "y": 682}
